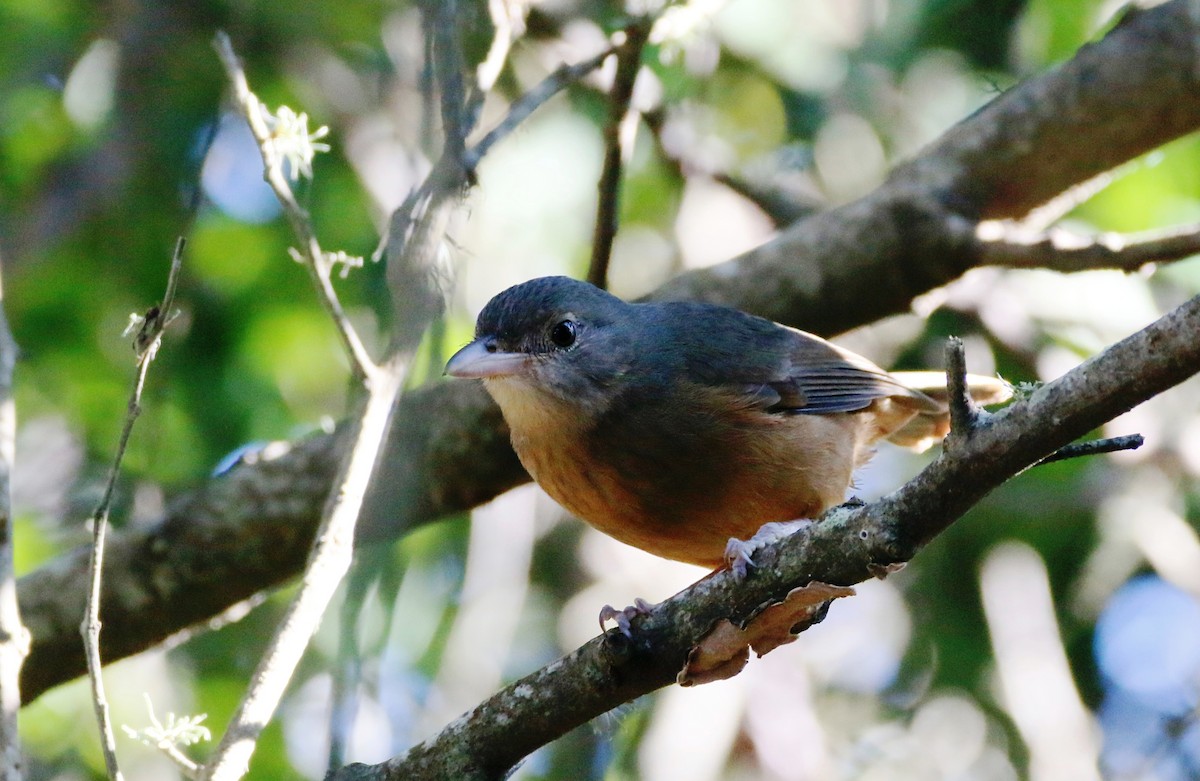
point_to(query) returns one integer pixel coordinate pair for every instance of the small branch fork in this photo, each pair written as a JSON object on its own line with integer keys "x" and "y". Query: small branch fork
{"x": 145, "y": 344}
{"x": 331, "y": 553}
{"x": 966, "y": 416}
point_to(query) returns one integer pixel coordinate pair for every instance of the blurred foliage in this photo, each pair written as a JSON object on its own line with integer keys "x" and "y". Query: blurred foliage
{"x": 108, "y": 113}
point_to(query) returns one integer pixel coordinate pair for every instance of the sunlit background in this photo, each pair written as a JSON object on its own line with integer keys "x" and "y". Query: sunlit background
{"x": 1054, "y": 633}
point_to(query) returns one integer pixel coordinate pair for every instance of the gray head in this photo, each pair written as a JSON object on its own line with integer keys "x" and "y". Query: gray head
{"x": 555, "y": 335}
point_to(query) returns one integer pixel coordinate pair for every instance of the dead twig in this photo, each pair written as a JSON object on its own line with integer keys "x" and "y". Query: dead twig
{"x": 146, "y": 342}
{"x": 1094, "y": 448}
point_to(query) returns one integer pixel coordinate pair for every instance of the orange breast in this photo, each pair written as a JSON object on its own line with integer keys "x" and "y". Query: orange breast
{"x": 679, "y": 484}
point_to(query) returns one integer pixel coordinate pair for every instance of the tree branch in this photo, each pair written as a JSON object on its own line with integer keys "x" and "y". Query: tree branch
{"x": 417, "y": 299}
{"x": 870, "y": 258}
{"x": 848, "y": 545}
{"x": 1007, "y": 243}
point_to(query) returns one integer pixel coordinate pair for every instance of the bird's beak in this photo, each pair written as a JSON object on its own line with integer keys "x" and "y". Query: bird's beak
{"x": 480, "y": 360}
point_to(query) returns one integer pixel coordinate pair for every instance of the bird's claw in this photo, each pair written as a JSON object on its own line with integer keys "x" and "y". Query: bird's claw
{"x": 739, "y": 554}
{"x": 624, "y": 616}
{"x": 739, "y": 557}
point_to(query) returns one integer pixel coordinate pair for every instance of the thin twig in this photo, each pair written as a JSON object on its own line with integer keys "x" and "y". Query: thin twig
{"x": 1094, "y": 447}
{"x": 411, "y": 262}
{"x": 327, "y": 565}
{"x": 782, "y": 205}
{"x": 1064, "y": 203}
{"x": 310, "y": 252}
{"x": 1009, "y": 244}
{"x": 14, "y": 637}
{"x": 187, "y": 766}
{"x": 616, "y": 149}
{"x": 347, "y": 674}
{"x": 146, "y": 343}
{"x": 563, "y": 77}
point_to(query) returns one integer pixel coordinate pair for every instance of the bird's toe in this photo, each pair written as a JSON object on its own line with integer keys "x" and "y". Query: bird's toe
{"x": 739, "y": 554}
{"x": 624, "y": 616}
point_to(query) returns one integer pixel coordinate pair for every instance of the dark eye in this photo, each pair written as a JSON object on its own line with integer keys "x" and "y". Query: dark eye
{"x": 563, "y": 334}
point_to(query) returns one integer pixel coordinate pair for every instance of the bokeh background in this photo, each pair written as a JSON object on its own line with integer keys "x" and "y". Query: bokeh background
{"x": 1056, "y": 626}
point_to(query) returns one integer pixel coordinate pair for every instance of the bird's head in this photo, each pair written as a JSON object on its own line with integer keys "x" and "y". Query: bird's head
{"x": 554, "y": 336}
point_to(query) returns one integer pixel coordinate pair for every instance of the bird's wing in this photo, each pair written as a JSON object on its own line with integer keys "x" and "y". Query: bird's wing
{"x": 770, "y": 367}
{"x": 817, "y": 377}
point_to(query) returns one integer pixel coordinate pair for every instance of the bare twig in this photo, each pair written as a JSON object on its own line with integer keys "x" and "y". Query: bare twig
{"x": 310, "y": 252}
{"x": 145, "y": 345}
{"x": 417, "y": 298}
{"x": 1053, "y": 210}
{"x": 560, "y": 79}
{"x": 783, "y": 206}
{"x": 448, "y": 72}
{"x": 1009, "y": 244}
{"x": 1094, "y": 448}
{"x": 327, "y": 565}
{"x": 331, "y": 553}
{"x": 14, "y": 638}
{"x": 617, "y": 144}
{"x": 348, "y": 671}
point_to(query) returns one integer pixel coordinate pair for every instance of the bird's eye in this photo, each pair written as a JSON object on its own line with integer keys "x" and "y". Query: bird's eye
{"x": 563, "y": 334}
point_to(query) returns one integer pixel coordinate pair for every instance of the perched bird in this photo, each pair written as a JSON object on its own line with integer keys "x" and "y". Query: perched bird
{"x": 676, "y": 426}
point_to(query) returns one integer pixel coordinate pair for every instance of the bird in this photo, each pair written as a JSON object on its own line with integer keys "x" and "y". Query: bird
{"x": 683, "y": 428}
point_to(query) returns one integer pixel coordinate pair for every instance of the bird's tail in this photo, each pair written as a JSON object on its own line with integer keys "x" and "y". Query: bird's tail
{"x": 931, "y": 426}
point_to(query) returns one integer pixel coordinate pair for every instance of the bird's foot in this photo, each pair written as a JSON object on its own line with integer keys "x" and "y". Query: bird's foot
{"x": 739, "y": 553}
{"x": 623, "y": 617}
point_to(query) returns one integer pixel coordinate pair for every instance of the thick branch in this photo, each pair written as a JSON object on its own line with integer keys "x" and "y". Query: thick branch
{"x": 849, "y": 545}
{"x": 1128, "y": 93}
{"x": 251, "y": 529}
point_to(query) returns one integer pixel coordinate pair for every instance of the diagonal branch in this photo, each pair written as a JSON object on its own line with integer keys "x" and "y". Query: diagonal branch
{"x": 1130, "y": 92}
{"x": 310, "y": 253}
{"x": 417, "y": 299}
